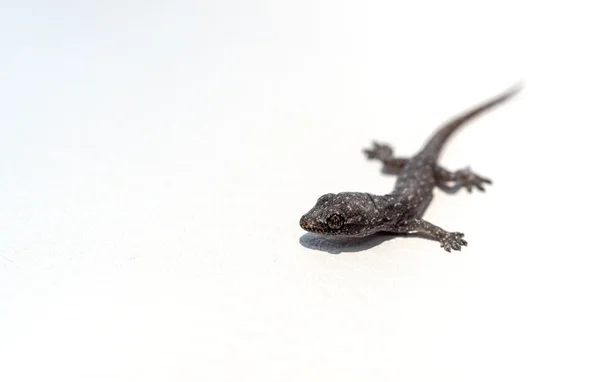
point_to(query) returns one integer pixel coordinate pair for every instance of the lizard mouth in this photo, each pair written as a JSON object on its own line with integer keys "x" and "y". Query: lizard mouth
{"x": 313, "y": 227}
{"x": 319, "y": 231}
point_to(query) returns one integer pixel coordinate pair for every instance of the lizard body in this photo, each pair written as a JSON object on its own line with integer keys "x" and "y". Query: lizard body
{"x": 358, "y": 214}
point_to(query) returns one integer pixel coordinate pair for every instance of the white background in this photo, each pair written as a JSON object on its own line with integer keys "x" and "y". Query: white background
{"x": 156, "y": 156}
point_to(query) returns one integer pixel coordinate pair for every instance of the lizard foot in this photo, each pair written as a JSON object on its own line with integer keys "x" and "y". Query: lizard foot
{"x": 453, "y": 240}
{"x": 379, "y": 151}
{"x": 469, "y": 180}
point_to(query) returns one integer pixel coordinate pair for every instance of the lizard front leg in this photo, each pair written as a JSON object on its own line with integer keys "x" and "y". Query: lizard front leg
{"x": 384, "y": 153}
{"x": 447, "y": 240}
{"x": 461, "y": 178}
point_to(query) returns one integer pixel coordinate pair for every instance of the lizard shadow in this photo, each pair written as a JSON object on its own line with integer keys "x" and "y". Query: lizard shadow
{"x": 338, "y": 244}
{"x": 451, "y": 189}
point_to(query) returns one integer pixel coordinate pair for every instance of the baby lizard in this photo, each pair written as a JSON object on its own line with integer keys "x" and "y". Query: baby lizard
{"x": 359, "y": 214}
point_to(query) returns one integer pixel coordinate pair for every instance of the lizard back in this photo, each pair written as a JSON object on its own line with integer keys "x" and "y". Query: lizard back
{"x": 416, "y": 180}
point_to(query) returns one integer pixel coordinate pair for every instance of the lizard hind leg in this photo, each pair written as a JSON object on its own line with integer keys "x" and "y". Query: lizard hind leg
{"x": 461, "y": 178}
{"x": 384, "y": 153}
{"x": 379, "y": 151}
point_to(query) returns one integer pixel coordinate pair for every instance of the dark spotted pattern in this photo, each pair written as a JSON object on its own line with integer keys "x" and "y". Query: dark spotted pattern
{"x": 401, "y": 211}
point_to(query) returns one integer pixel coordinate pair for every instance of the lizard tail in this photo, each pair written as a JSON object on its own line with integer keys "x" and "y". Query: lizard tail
{"x": 435, "y": 144}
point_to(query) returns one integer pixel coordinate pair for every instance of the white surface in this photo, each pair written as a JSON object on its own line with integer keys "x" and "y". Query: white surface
{"x": 156, "y": 158}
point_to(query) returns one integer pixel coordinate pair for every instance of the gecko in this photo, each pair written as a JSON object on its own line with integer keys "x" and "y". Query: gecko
{"x": 359, "y": 214}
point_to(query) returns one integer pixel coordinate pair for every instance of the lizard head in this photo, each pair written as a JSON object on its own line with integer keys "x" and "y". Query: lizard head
{"x": 344, "y": 214}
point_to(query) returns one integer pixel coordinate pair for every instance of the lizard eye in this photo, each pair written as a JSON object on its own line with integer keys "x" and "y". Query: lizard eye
{"x": 335, "y": 221}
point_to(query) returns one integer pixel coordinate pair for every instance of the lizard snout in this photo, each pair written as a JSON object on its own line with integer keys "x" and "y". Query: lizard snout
{"x": 304, "y": 223}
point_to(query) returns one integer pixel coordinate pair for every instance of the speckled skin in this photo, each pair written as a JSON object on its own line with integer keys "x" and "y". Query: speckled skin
{"x": 360, "y": 214}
